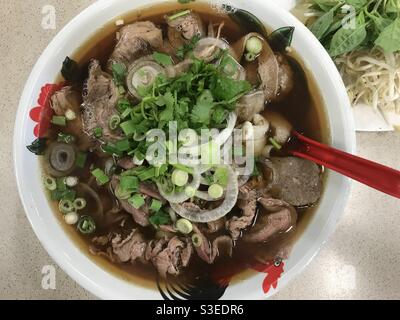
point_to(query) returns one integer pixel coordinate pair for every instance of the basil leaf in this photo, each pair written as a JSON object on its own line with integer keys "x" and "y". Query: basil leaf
{"x": 71, "y": 70}
{"x": 389, "y": 39}
{"x": 323, "y": 5}
{"x": 281, "y": 38}
{"x": 358, "y": 4}
{"x": 38, "y": 146}
{"x": 322, "y": 24}
{"x": 346, "y": 40}
{"x": 392, "y": 6}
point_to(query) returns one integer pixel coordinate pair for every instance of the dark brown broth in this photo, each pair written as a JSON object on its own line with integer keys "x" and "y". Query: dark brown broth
{"x": 303, "y": 108}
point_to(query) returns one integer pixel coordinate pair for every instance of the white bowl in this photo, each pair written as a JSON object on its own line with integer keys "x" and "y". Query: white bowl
{"x": 52, "y": 235}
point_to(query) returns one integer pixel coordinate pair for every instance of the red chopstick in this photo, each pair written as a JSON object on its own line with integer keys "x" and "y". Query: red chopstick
{"x": 370, "y": 173}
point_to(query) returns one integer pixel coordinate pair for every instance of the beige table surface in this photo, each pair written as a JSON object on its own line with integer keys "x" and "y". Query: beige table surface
{"x": 360, "y": 261}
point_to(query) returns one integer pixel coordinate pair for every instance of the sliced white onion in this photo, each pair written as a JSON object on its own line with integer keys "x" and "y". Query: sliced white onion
{"x": 180, "y": 196}
{"x": 204, "y": 216}
{"x": 219, "y": 140}
{"x": 207, "y": 49}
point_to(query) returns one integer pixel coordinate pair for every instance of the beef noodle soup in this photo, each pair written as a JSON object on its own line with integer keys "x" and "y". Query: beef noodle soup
{"x": 153, "y": 83}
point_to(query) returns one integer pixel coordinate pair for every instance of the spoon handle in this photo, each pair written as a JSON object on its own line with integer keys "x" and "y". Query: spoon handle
{"x": 370, "y": 173}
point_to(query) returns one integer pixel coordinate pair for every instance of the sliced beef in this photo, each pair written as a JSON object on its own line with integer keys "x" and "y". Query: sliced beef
{"x": 126, "y": 163}
{"x": 179, "y": 69}
{"x": 168, "y": 257}
{"x": 296, "y": 181}
{"x": 69, "y": 99}
{"x": 135, "y": 41}
{"x": 248, "y": 205}
{"x": 141, "y": 215}
{"x": 168, "y": 260}
{"x": 100, "y": 99}
{"x": 184, "y": 28}
{"x": 215, "y": 226}
{"x": 150, "y": 190}
{"x": 250, "y": 105}
{"x": 130, "y": 248}
{"x": 285, "y": 77}
{"x": 208, "y": 251}
{"x": 154, "y": 247}
{"x": 276, "y": 218}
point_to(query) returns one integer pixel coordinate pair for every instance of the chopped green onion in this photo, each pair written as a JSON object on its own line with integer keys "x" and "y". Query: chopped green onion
{"x": 178, "y": 15}
{"x": 123, "y": 145}
{"x": 179, "y": 178}
{"x": 122, "y": 194}
{"x": 155, "y": 205}
{"x": 59, "y": 121}
{"x": 126, "y": 113}
{"x": 66, "y": 206}
{"x": 147, "y": 174}
{"x": 66, "y": 138}
{"x": 71, "y": 218}
{"x": 80, "y": 160}
{"x": 61, "y": 185}
{"x": 100, "y": 176}
{"x": 114, "y": 122}
{"x": 128, "y": 127}
{"x": 250, "y": 56}
{"x": 184, "y": 226}
{"x": 216, "y": 191}
{"x": 160, "y": 218}
{"x": 111, "y": 149}
{"x": 64, "y": 195}
{"x": 197, "y": 240}
{"x": 123, "y": 104}
{"x": 71, "y": 181}
{"x": 70, "y": 115}
{"x": 136, "y": 201}
{"x": 86, "y": 225}
{"x": 275, "y": 144}
{"x": 221, "y": 176}
{"x": 79, "y": 203}
{"x": 129, "y": 183}
{"x": 50, "y": 183}
{"x": 254, "y": 45}
{"x": 190, "y": 191}
{"x": 98, "y": 132}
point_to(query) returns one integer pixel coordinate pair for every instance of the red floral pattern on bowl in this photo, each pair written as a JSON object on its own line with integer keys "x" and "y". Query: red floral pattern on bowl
{"x": 43, "y": 113}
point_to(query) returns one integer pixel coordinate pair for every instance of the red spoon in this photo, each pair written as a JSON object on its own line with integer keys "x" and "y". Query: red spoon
{"x": 373, "y": 174}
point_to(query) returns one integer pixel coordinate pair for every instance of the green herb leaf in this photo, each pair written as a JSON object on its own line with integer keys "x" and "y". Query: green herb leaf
{"x": 71, "y": 70}
{"x": 163, "y": 59}
{"x": 389, "y": 39}
{"x": 322, "y": 24}
{"x": 281, "y": 38}
{"x": 38, "y": 146}
{"x": 227, "y": 89}
{"x": 346, "y": 40}
{"x": 181, "y": 52}
{"x": 119, "y": 73}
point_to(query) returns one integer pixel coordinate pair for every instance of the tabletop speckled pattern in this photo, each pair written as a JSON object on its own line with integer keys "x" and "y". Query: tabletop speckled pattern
{"x": 361, "y": 260}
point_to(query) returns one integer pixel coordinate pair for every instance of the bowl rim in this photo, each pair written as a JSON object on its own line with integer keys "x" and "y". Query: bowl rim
{"x": 62, "y": 258}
